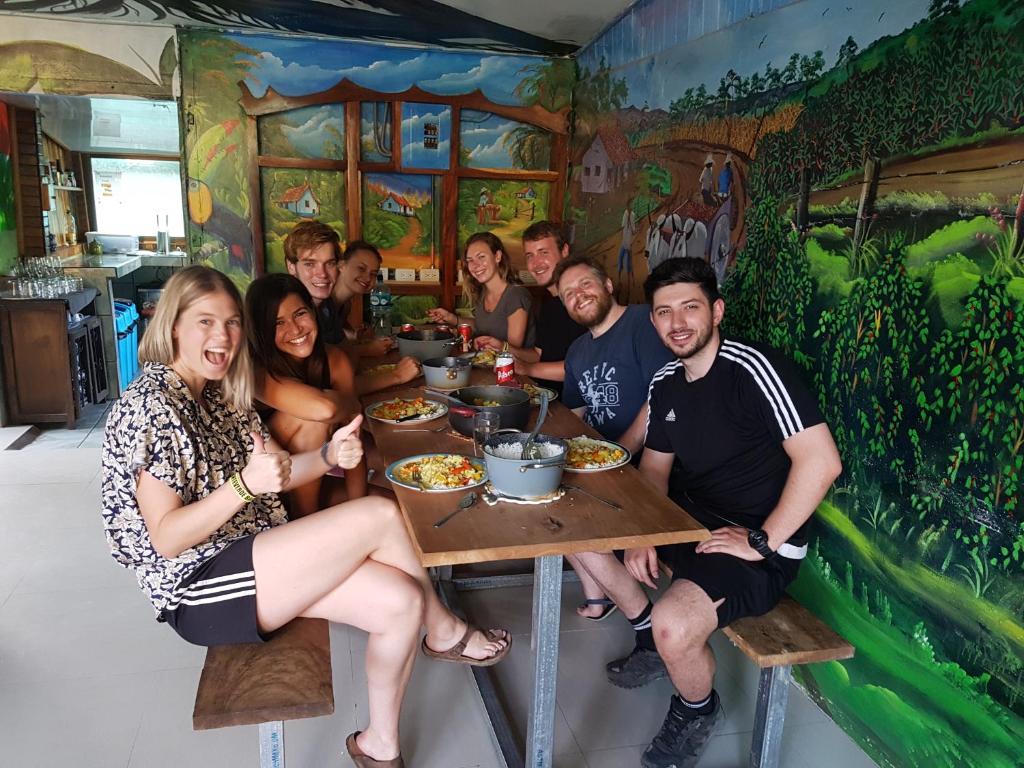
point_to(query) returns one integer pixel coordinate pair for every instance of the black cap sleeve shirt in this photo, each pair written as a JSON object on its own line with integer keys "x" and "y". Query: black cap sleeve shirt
{"x": 727, "y": 430}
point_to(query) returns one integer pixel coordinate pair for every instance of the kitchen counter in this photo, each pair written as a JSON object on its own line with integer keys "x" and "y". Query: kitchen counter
{"x": 116, "y": 265}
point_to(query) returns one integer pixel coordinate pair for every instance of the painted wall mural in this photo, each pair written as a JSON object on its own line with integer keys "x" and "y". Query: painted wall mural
{"x": 298, "y": 89}
{"x": 856, "y": 174}
{"x": 8, "y": 212}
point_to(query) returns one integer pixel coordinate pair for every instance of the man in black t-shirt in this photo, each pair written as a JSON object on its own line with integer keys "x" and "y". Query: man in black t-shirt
{"x": 545, "y": 246}
{"x": 755, "y": 459}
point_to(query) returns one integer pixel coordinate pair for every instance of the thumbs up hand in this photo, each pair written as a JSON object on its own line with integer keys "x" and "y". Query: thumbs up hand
{"x": 346, "y": 448}
{"x": 266, "y": 472}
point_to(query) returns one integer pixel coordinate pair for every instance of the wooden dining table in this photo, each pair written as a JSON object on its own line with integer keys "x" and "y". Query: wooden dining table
{"x": 576, "y": 522}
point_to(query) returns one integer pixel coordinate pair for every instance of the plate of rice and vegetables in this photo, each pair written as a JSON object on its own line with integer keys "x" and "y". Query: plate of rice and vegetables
{"x": 588, "y": 454}
{"x": 406, "y": 410}
{"x": 437, "y": 472}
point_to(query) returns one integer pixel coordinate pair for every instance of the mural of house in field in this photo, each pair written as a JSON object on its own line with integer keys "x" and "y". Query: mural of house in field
{"x": 301, "y": 201}
{"x": 872, "y": 229}
{"x": 396, "y": 204}
{"x": 607, "y": 162}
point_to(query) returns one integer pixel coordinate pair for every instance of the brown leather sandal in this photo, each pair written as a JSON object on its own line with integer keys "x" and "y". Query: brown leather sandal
{"x": 362, "y": 760}
{"x": 456, "y": 652}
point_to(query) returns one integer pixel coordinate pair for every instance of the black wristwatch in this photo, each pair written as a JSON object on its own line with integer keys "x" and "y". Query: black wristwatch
{"x": 758, "y": 541}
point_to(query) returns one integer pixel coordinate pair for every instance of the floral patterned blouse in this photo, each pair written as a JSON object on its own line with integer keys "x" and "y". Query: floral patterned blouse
{"x": 158, "y": 426}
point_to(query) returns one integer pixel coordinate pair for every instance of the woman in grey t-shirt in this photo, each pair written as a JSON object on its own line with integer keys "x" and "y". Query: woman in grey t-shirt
{"x": 501, "y": 306}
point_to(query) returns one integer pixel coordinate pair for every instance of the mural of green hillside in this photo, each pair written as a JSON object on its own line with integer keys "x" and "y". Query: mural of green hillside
{"x": 294, "y": 195}
{"x": 505, "y": 208}
{"x": 878, "y": 238}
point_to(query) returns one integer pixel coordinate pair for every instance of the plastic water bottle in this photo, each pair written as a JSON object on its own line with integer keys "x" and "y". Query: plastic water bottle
{"x": 380, "y": 310}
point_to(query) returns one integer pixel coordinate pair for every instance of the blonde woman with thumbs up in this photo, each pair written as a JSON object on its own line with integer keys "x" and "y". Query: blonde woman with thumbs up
{"x": 190, "y": 502}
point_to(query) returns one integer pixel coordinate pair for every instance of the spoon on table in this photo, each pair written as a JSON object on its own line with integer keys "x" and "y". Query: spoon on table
{"x": 465, "y": 502}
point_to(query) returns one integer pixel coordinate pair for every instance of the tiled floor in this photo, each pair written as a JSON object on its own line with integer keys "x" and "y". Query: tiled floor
{"x": 87, "y": 678}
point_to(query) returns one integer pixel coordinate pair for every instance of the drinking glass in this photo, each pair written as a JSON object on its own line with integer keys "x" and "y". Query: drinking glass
{"x": 485, "y": 424}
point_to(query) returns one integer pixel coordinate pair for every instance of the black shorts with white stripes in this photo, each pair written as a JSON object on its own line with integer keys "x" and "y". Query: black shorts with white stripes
{"x": 218, "y": 606}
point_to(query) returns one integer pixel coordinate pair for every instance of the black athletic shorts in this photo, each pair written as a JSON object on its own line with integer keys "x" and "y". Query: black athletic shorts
{"x": 218, "y": 606}
{"x": 749, "y": 588}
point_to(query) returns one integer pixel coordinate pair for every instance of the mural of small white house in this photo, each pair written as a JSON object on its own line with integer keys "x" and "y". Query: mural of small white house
{"x": 527, "y": 193}
{"x": 607, "y": 162}
{"x": 396, "y": 204}
{"x": 301, "y": 201}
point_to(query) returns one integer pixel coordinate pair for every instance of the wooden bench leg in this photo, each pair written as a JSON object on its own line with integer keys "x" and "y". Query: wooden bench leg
{"x": 272, "y": 744}
{"x": 772, "y": 695}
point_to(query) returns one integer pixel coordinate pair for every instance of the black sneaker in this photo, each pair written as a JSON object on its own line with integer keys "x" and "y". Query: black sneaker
{"x": 682, "y": 740}
{"x": 639, "y": 668}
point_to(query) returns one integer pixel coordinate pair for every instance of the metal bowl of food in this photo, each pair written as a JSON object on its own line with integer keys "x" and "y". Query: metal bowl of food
{"x": 425, "y": 345}
{"x": 447, "y": 372}
{"x": 510, "y": 403}
{"x": 532, "y": 478}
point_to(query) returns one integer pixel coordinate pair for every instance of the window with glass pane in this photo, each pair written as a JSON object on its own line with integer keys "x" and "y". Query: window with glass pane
{"x": 375, "y": 133}
{"x": 491, "y": 141}
{"x": 316, "y": 132}
{"x": 131, "y": 194}
{"x": 426, "y": 135}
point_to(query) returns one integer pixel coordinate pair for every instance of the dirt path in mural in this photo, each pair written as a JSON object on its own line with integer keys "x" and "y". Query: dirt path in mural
{"x": 995, "y": 167}
{"x": 401, "y": 256}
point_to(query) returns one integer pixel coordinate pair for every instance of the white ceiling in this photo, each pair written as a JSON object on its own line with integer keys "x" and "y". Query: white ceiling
{"x": 570, "y": 21}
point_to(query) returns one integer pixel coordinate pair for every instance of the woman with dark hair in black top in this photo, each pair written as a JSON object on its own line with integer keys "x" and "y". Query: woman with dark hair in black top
{"x": 307, "y": 386}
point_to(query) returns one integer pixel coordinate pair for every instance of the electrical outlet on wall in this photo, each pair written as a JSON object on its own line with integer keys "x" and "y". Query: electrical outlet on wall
{"x": 405, "y": 275}
{"x": 430, "y": 275}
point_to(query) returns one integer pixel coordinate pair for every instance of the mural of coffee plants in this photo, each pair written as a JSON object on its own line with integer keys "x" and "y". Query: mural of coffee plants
{"x": 877, "y": 236}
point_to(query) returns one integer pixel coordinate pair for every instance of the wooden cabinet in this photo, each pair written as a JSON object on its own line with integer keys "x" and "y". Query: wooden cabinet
{"x": 50, "y": 371}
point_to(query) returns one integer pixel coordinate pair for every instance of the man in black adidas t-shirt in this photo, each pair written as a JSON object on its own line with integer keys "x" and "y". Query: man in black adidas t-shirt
{"x": 755, "y": 459}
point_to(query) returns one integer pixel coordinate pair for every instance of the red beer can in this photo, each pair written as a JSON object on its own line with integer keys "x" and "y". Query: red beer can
{"x": 406, "y": 327}
{"x": 505, "y": 370}
{"x": 466, "y": 332}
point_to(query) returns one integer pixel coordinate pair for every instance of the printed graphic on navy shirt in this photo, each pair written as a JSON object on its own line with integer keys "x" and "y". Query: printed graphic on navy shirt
{"x": 610, "y": 374}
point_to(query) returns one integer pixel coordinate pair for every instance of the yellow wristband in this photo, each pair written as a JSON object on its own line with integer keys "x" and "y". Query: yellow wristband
{"x": 238, "y": 486}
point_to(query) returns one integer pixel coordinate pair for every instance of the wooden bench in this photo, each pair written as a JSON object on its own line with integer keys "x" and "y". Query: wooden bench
{"x": 286, "y": 678}
{"x": 789, "y": 634}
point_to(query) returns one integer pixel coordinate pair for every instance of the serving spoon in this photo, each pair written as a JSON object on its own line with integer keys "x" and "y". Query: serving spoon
{"x": 529, "y": 448}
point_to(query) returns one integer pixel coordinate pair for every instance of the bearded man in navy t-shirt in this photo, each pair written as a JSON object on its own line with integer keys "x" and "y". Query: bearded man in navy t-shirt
{"x": 754, "y": 459}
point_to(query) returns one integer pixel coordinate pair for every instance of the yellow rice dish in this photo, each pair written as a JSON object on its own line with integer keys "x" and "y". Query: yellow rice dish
{"x": 587, "y": 453}
{"x": 441, "y": 471}
{"x": 400, "y": 409}
{"x": 486, "y": 358}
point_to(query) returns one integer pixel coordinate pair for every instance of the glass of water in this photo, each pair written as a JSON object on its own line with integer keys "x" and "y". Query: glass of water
{"x": 485, "y": 424}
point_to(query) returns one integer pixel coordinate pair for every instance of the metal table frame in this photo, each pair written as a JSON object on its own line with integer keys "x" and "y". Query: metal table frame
{"x": 547, "y": 598}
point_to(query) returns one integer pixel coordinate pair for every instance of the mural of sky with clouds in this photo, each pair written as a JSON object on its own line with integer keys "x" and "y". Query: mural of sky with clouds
{"x": 415, "y": 120}
{"x": 297, "y": 67}
{"x": 319, "y": 126}
{"x": 747, "y": 46}
{"x": 483, "y": 136}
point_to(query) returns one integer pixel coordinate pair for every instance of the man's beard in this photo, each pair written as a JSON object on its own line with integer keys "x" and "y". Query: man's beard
{"x": 698, "y": 343}
{"x": 601, "y": 308}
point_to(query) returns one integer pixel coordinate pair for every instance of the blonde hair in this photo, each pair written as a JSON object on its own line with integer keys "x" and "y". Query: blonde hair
{"x": 183, "y": 290}
{"x": 473, "y": 289}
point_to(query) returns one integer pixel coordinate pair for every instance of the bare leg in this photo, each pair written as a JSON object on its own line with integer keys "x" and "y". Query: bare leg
{"x": 683, "y": 620}
{"x": 615, "y": 580}
{"x": 310, "y": 556}
{"x": 591, "y": 590}
{"x": 297, "y": 436}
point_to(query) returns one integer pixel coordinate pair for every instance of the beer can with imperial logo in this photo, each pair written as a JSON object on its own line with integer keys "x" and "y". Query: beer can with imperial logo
{"x": 505, "y": 370}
